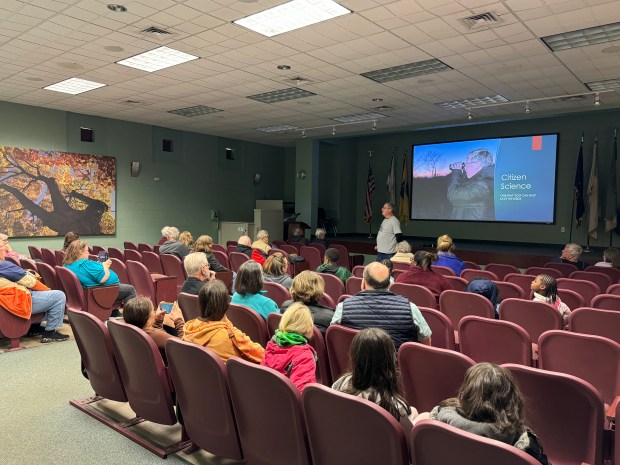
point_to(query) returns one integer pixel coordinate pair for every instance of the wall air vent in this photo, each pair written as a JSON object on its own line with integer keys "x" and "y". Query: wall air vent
{"x": 483, "y": 19}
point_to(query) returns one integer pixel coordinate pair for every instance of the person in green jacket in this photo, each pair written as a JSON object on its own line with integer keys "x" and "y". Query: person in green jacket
{"x": 330, "y": 265}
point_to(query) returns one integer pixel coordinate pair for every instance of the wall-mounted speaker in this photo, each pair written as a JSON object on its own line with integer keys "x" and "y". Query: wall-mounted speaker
{"x": 87, "y": 135}
{"x": 230, "y": 154}
{"x": 167, "y": 145}
{"x": 135, "y": 168}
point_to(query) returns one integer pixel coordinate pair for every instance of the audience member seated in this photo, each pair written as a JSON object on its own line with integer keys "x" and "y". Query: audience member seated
{"x": 141, "y": 313}
{"x": 288, "y": 352}
{"x": 249, "y": 289}
{"x": 198, "y": 272}
{"x": 611, "y": 258}
{"x": 215, "y": 332}
{"x": 262, "y": 242}
{"x": 186, "y": 239}
{"x": 244, "y": 245}
{"x": 308, "y": 288}
{"x": 330, "y": 266}
{"x": 298, "y": 236}
{"x": 205, "y": 244}
{"x": 375, "y": 306}
{"x": 164, "y": 236}
{"x": 374, "y": 375}
{"x": 275, "y": 270}
{"x": 390, "y": 266}
{"x": 485, "y": 288}
{"x": 69, "y": 238}
{"x": 446, "y": 257}
{"x": 545, "y": 289}
{"x": 92, "y": 273}
{"x": 9, "y": 250}
{"x": 319, "y": 238}
{"x": 403, "y": 253}
{"x": 23, "y": 295}
{"x": 422, "y": 273}
{"x": 172, "y": 244}
{"x": 490, "y": 404}
{"x": 570, "y": 254}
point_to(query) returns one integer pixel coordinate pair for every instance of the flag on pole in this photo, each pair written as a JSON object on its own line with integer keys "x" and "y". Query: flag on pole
{"x": 580, "y": 207}
{"x": 403, "y": 212}
{"x": 611, "y": 201}
{"x": 593, "y": 204}
{"x": 370, "y": 188}
{"x": 391, "y": 195}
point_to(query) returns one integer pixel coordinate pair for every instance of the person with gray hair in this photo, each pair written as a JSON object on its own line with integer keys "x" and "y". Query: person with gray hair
{"x": 10, "y": 252}
{"x": 262, "y": 242}
{"x": 172, "y": 244}
{"x": 403, "y": 253}
{"x": 319, "y": 238}
{"x": 375, "y": 306}
{"x": 389, "y": 233}
{"x": 164, "y": 235}
{"x": 198, "y": 273}
{"x": 570, "y": 254}
{"x": 298, "y": 236}
{"x": 249, "y": 289}
{"x": 244, "y": 245}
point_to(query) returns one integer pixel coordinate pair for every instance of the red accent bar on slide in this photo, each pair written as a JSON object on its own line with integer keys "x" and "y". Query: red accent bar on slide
{"x": 536, "y": 142}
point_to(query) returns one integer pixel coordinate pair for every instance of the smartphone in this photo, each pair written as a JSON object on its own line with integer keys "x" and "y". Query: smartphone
{"x": 103, "y": 256}
{"x": 166, "y": 307}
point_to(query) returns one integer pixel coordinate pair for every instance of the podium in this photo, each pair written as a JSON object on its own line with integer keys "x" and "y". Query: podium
{"x": 290, "y": 227}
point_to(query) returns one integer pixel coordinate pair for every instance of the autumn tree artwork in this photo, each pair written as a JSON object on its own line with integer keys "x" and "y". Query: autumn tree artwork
{"x": 48, "y": 193}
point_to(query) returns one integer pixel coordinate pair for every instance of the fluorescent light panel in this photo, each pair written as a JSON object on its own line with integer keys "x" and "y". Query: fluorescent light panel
{"x": 292, "y": 15}
{"x": 418, "y": 68}
{"x": 194, "y": 111}
{"x": 74, "y": 86}
{"x": 359, "y": 117}
{"x": 282, "y": 95}
{"x": 603, "y": 85}
{"x": 280, "y": 128}
{"x": 156, "y": 59}
{"x": 583, "y": 37}
{"x": 472, "y": 102}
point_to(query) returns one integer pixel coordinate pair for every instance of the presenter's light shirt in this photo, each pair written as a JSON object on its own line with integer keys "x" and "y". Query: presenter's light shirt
{"x": 386, "y": 237}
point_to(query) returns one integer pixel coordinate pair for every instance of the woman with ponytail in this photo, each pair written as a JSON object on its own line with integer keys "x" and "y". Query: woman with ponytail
{"x": 421, "y": 273}
{"x": 445, "y": 252}
{"x": 545, "y": 289}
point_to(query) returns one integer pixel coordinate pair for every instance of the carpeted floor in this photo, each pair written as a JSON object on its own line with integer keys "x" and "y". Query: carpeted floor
{"x": 39, "y": 426}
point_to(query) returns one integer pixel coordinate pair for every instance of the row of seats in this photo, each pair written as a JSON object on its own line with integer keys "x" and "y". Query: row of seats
{"x": 252, "y": 413}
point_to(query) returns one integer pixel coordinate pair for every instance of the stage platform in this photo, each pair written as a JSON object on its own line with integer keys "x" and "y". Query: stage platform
{"x": 521, "y": 255}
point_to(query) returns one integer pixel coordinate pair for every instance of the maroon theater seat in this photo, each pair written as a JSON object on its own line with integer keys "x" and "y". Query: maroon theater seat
{"x": 276, "y": 292}
{"x": 98, "y": 300}
{"x": 250, "y": 322}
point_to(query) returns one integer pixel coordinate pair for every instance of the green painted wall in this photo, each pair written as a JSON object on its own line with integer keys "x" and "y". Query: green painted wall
{"x": 194, "y": 179}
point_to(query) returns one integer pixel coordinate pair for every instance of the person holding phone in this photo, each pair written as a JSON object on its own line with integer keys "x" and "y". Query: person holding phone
{"x": 141, "y": 313}
{"x": 92, "y": 273}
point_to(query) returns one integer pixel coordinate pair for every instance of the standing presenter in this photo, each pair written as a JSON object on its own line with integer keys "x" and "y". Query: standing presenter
{"x": 389, "y": 234}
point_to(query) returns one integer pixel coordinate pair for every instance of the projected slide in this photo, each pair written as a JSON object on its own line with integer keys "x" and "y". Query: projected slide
{"x": 504, "y": 179}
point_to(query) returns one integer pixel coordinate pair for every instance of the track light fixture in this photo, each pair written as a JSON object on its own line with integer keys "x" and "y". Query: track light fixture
{"x": 527, "y": 107}
{"x": 303, "y": 133}
{"x": 333, "y": 127}
{"x": 333, "y": 130}
{"x": 374, "y": 125}
{"x": 469, "y": 115}
{"x": 597, "y": 99}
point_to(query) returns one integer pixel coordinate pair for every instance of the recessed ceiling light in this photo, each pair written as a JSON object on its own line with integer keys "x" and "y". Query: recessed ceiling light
{"x": 74, "y": 86}
{"x": 583, "y": 37}
{"x": 359, "y": 117}
{"x": 195, "y": 111}
{"x": 377, "y": 100}
{"x": 292, "y": 15}
{"x": 156, "y": 59}
{"x": 406, "y": 71}
{"x": 284, "y": 67}
{"x": 113, "y": 48}
{"x": 280, "y": 128}
{"x": 611, "y": 49}
{"x": 281, "y": 95}
{"x": 117, "y": 8}
{"x": 603, "y": 85}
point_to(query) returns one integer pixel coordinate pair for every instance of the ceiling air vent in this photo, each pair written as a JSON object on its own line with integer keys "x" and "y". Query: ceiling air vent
{"x": 155, "y": 30}
{"x": 483, "y": 19}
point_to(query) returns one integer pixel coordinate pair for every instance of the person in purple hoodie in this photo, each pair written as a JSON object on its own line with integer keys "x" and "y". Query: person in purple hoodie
{"x": 446, "y": 257}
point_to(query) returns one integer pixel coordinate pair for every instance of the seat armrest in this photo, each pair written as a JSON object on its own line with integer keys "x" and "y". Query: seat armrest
{"x": 611, "y": 411}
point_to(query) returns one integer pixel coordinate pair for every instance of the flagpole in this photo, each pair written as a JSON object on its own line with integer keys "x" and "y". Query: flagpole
{"x": 370, "y": 222}
{"x": 611, "y": 231}
{"x": 572, "y": 215}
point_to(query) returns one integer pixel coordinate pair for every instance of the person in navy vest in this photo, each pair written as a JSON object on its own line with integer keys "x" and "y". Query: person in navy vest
{"x": 377, "y": 307}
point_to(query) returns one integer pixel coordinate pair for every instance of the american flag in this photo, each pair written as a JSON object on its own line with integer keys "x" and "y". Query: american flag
{"x": 370, "y": 188}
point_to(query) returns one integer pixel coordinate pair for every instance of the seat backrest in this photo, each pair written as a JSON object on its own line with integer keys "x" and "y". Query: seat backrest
{"x": 441, "y": 327}
{"x": 565, "y": 268}
{"x": 312, "y": 256}
{"x": 48, "y": 256}
{"x": 587, "y": 289}
{"x": 95, "y": 346}
{"x": 328, "y": 302}
{"x": 202, "y": 394}
{"x": 358, "y": 271}
{"x": 534, "y": 317}
{"x": 419, "y": 295}
{"x": 338, "y": 340}
{"x": 613, "y": 273}
{"x": 273, "y": 321}
{"x": 119, "y": 267}
{"x": 173, "y": 266}
{"x": 353, "y": 285}
{"x": 362, "y": 433}
{"x": 571, "y": 298}
{"x": 435, "y": 443}
{"x": 494, "y": 341}
{"x": 28, "y": 264}
{"x": 222, "y": 257}
{"x": 73, "y": 289}
{"x": 296, "y": 245}
{"x": 458, "y": 304}
{"x": 140, "y": 278}
{"x": 333, "y": 285}
{"x": 152, "y": 261}
{"x": 444, "y": 270}
{"x": 60, "y": 256}
{"x": 237, "y": 259}
{"x": 508, "y": 290}
{"x": 130, "y": 245}
{"x": 132, "y": 254}
{"x": 606, "y": 302}
{"x": 524, "y": 281}
{"x": 278, "y": 243}
{"x": 276, "y": 292}
{"x": 613, "y": 289}
{"x": 343, "y": 260}
{"x": 48, "y": 274}
{"x": 268, "y": 415}
{"x": 231, "y": 248}
{"x": 594, "y": 359}
{"x": 13, "y": 260}
{"x": 290, "y": 249}
{"x": 319, "y": 247}
{"x": 190, "y": 306}
{"x": 457, "y": 283}
{"x": 601, "y": 279}
{"x": 471, "y": 265}
{"x": 558, "y": 399}
{"x": 501, "y": 269}
{"x": 250, "y": 322}
{"x": 399, "y": 266}
{"x": 143, "y": 372}
{"x": 144, "y": 247}
{"x": 229, "y": 243}
{"x": 115, "y": 252}
{"x": 469, "y": 274}
{"x": 430, "y": 374}
{"x": 35, "y": 252}
{"x": 97, "y": 249}
{"x": 536, "y": 270}
{"x": 587, "y": 320}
